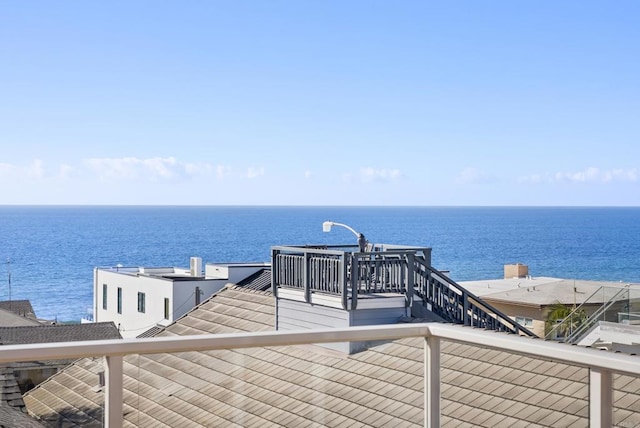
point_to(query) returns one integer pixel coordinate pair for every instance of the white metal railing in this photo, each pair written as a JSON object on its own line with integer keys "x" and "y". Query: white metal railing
{"x": 602, "y": 364}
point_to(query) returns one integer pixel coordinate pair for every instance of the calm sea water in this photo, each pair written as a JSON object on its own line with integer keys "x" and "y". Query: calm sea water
{"x": 53, "y": 250}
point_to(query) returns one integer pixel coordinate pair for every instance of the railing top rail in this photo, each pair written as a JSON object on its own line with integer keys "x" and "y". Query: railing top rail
{"x": 333, "y": 250}
{"x": 549, "y": 350}
{"x": 313, "y": 250}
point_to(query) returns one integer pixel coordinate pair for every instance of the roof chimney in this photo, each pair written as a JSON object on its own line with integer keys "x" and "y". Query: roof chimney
{"x": 517, "y": 270}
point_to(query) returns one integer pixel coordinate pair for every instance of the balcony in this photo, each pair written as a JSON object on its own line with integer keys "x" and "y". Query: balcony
{"x": 122, "y": 359}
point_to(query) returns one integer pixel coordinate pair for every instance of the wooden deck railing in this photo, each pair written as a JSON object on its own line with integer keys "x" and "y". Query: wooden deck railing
{"x": 386, "y": 269}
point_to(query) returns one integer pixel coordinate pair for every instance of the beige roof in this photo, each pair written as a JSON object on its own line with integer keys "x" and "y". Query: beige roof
{"x": 543, "y": 291}
{"x": 307, "y": 386}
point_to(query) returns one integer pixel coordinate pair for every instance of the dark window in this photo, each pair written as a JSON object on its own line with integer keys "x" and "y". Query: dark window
{"x": 104, "y": 296}
{"x": 119, "y": 300}
{"x": 140, "y": 302}
{"x": 166, "y": 308}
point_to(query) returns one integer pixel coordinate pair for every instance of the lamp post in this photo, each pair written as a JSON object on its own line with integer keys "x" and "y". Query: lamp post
{"x": 362, "y": 241}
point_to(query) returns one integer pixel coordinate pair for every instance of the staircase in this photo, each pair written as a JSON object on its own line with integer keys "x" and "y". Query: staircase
{"x": 578, "y": 325}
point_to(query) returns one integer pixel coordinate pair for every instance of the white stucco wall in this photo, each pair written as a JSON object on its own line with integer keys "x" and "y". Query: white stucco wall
{"x": 180, "y": 292}
{"x": 132, "y": 323}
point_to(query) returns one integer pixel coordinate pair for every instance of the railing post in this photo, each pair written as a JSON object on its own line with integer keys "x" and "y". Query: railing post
{"x": 306, "y": 272}
{"x": 431, "y": 382}
{"x": 411, "y": 269}
{"x": 355, "y": 281}
{"x": 466, "y": 317}
{"x": 275, "y": 265}
{"x": 600, "y": 398}
{"x": 113, "y": 392}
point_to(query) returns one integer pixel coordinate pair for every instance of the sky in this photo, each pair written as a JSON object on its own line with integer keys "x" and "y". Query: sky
{"x": 436, "y": 103}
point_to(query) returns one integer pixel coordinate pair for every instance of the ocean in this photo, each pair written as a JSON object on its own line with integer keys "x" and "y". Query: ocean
{"x": 49, "y": 252}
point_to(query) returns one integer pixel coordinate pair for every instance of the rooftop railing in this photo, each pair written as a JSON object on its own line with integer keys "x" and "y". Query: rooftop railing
{"x": 385, "y": 269}
{"x": 602, "y": 365}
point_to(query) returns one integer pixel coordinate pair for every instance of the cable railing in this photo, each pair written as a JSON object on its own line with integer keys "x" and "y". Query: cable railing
{"x": 602, "y": 365}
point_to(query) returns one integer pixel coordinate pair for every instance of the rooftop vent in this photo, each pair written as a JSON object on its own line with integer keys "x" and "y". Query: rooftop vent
{"x": 195, "y": 266}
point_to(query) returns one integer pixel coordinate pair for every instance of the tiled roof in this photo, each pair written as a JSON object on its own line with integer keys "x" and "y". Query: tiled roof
{"x": 151, "y": 332}
{"x": 58, "y": 333}
{"x": 12, "y": 409}
{"x": 11, "y": 417}
{"x": 304, "y": 386}
{"x": 19, "y": 307}
{"x": 260, "y": 281}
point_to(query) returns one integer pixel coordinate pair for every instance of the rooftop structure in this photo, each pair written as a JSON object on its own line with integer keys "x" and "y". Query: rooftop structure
{"x": 339, "y": 287}
{"x": 137, "y": 299}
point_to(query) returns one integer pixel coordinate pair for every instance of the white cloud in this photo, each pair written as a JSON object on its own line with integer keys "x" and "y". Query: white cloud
{"x": 64, "y": 170}
{"x": 255, "y": 172}
{"x": 589, "y": 175}
{"x": 472, "y": 175}
{"x": 533, "y": 178}
{"x": 34, "y": 170}
{"x": 222, "y": 171}
{"x": 369, "y": 174}
{"x": 308, "y": 174}
{"x": 7, "y": 169}
{"x": 151, "y": 168}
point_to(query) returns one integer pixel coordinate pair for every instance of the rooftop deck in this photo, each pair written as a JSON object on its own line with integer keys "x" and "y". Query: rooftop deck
{"x": 317, "y": 274}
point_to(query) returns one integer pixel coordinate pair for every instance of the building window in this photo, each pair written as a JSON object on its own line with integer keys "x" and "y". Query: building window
{"x": 166, "y": 308}
{"x": 104, "y": 296}
{"x": 525, "y": 322}
{"x": 140, "y": 302}
{"x": 119, "y": 300}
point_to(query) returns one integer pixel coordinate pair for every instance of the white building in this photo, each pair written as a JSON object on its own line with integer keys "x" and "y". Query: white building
{"x": 137, "y": 299}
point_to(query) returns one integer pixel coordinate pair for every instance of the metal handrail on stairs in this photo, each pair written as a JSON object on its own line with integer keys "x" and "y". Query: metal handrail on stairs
{"x": 594, "y": 318}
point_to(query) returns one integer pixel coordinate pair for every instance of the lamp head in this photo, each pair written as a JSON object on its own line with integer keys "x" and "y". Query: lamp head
{"x": 326, "y": 226}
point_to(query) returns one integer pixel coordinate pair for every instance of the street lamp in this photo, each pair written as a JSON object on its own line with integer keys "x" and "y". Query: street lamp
{"x": 362, "y": 241}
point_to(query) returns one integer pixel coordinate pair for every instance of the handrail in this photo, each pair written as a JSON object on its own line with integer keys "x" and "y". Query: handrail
{"x": 594, "y": 317}
{"x": 601, "y": 365}
{"x": 549, "y": 350}
{"x": 579, "y": 307}
{"x": 471, "y": 300}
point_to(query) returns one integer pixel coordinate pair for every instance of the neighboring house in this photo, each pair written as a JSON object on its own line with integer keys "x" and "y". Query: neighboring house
{"x": 305, "y": 386}
{"x": 137, "y": 299}
{"x": 29, "y": 374}
{"x": 530, "y": 300}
